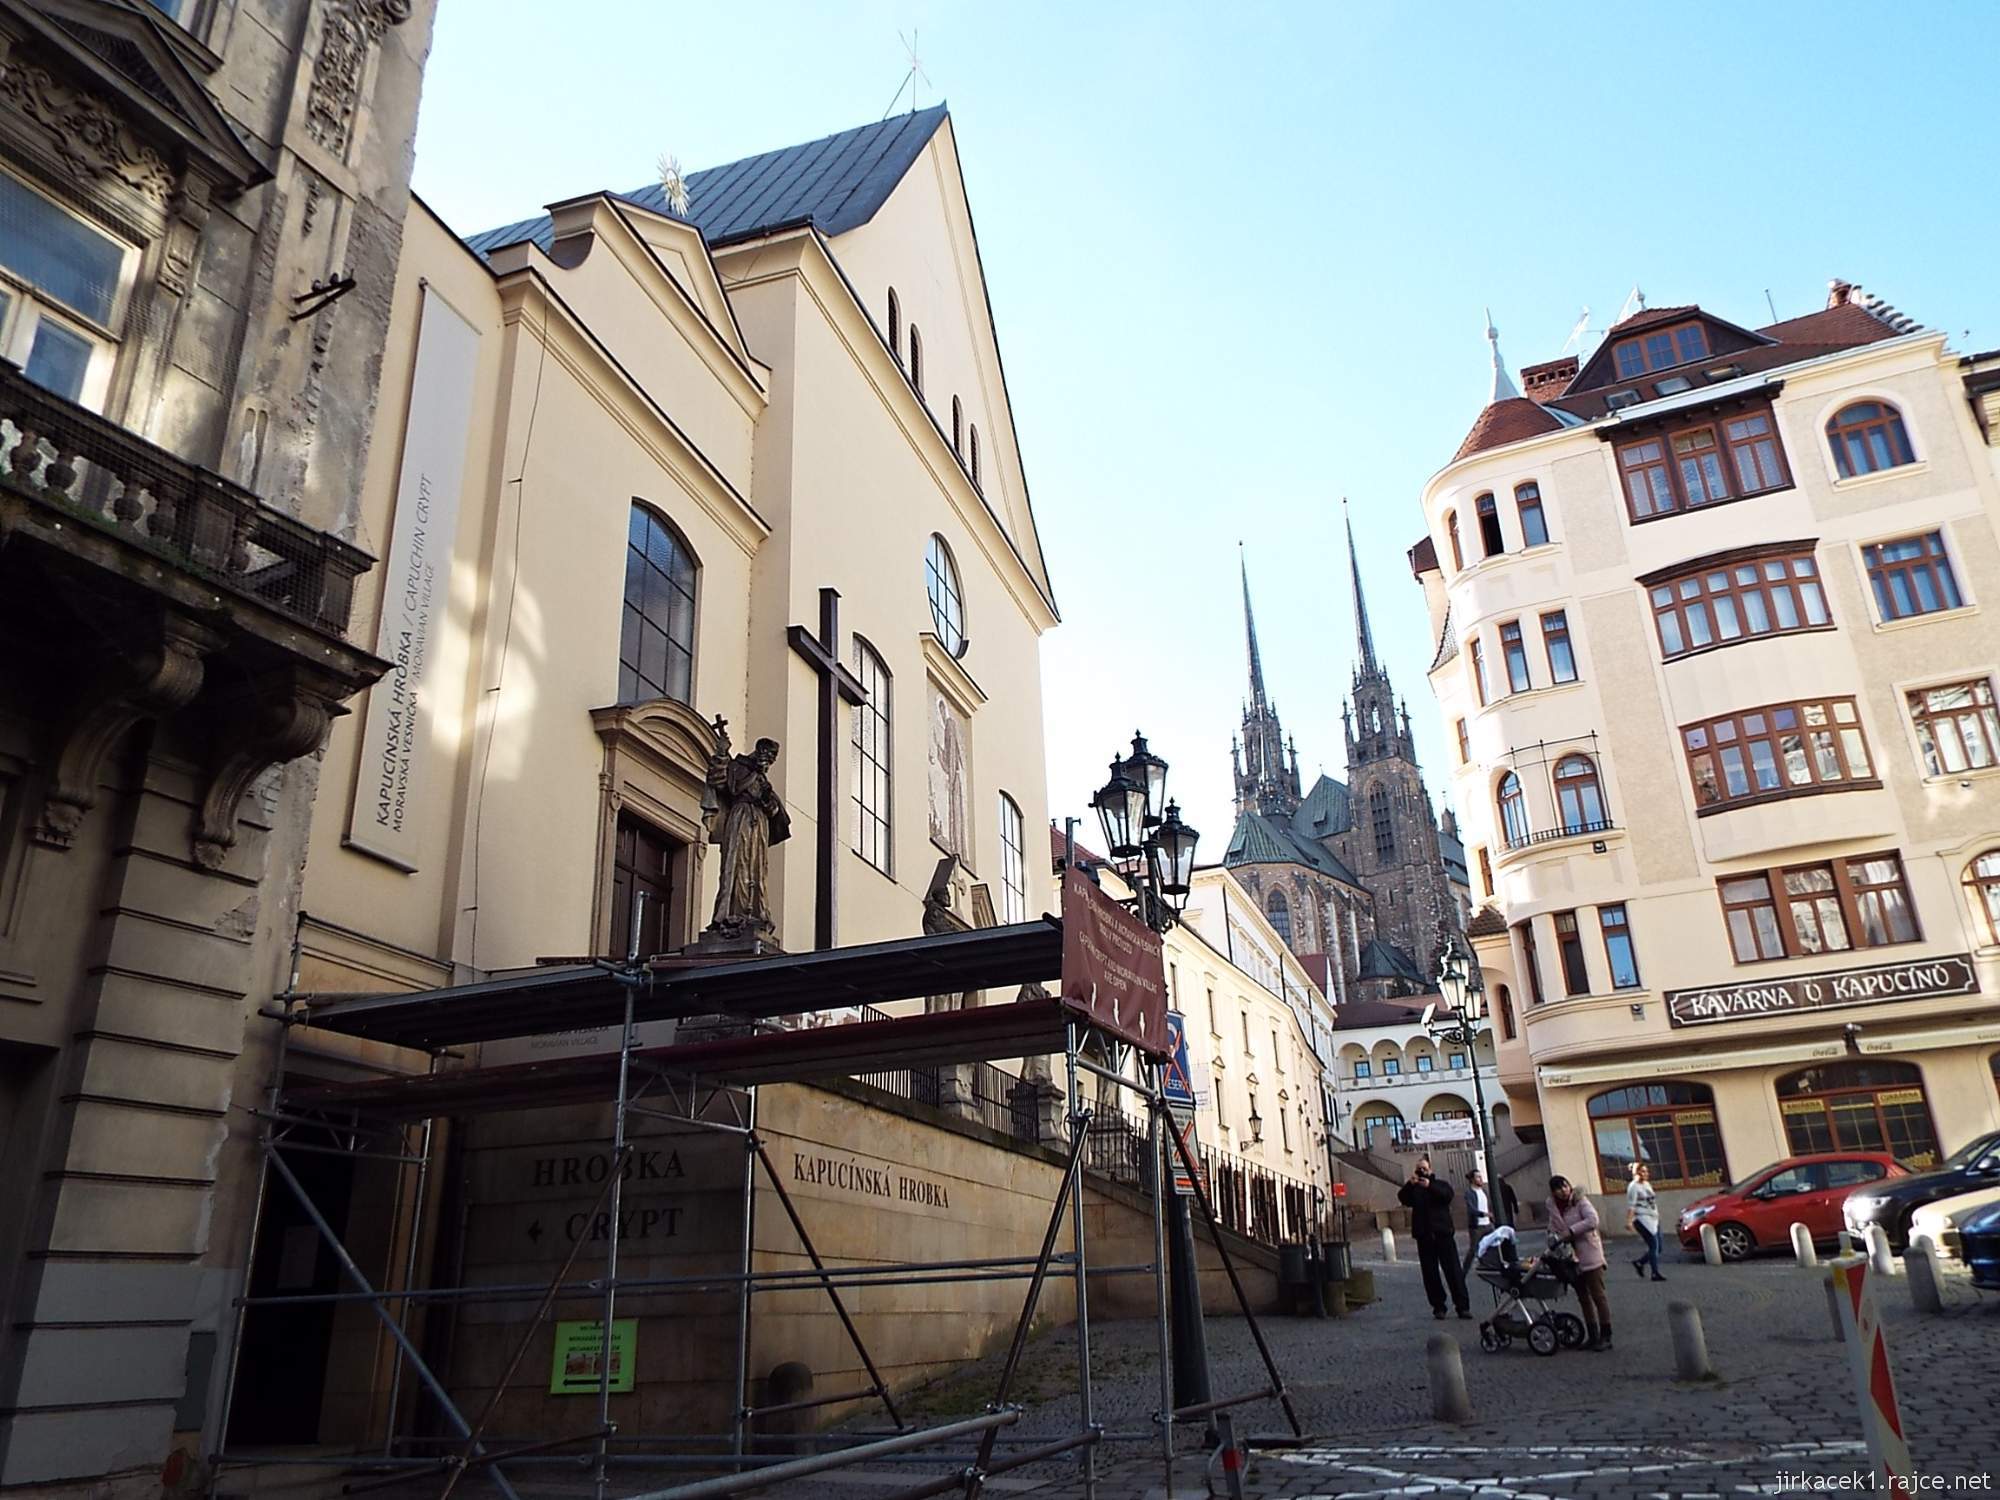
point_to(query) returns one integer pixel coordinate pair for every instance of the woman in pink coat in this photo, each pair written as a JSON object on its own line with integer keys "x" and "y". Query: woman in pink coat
{"x": 1573, "y": 1221}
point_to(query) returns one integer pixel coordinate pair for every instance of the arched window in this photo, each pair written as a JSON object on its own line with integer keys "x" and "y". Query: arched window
{"x": 1669, "y": 1126}
{"x": 1866, "y": 437}
{"x": 975, "y": 454}
{"x": 947, "y": 599}
{"x": 1378, "y": 817}
{"x": 957, "y": 428}
{"x": 1279, "y": 910}
{"x": 1013, "y": 863}
{"x": 1490, "y": 541}
{"x": 1504, "y": 1003}
{"x": 1579, "y": 798}
{"x": 1528, "y": 504}
{"x": 895, "y": 326}
{"x": 872, "y": 760}
{"x": 1513, "y": 811}
{"x": 1371, "y": 1117}
{"x": 1451, "y": 530}
{"x": 1982, "y": 879}
{"x": 1853, "y": 1105}
{"x": 656, "y": 636}
{"x": 916, "y": 359}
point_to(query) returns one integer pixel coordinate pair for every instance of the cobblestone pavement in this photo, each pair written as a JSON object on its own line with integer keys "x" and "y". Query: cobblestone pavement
{"x": 1578, "y": 1424}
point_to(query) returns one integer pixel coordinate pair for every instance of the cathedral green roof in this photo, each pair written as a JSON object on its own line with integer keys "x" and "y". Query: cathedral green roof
{"x": 1325, "y": 811}
{"x": 1380, "y": 960}
{"x": 1262, "y": 840}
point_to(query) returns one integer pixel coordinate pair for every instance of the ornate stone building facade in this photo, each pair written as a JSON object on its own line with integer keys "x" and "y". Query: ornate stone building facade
{"x": 201, "y": 209}
{"x": 1357, "y": 877}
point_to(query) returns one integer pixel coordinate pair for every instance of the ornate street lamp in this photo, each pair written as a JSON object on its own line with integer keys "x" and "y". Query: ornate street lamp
{"x": 1176, "y": 843}
{"x": 1457, "y": 1022}
{"x": 1150, "y": 772}
{"x": 1146, "y": 834}
{"x": 1121, "y": 807}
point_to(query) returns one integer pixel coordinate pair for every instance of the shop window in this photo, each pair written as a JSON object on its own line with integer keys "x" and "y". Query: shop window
{"x": 1912, "y": 576}
{"x": 1528, "y": 504}
{"x": 1859, "y": 1106}
{"x": 1777, "y": 750}
{"x": 1718, "y": 604}
{"x": 656, "y": 636}
{"x": 1490, "y": 541}
{"x": 1802, "y": 910}
{"x": 1669, "y": 1126}
{"x": 1957, "y": 728}
{"x": 1868, "y": 437}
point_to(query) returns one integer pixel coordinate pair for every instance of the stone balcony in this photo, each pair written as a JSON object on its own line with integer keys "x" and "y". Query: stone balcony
{"x": 136, "y": 586}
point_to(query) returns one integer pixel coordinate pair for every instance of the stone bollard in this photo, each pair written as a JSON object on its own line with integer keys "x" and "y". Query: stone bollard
{"x": 1388, "y": 1243}
{"x": 1802, "y": 1246}
{"x": 1926, "y": 1293}
{"x": 788, "y": 1431}
{"x": 1449, "y": 1403}
{"x": 1711, "y": 1248}
{"x": 1690, "y": 1347}
{"x": 1833, "y": 1305}
{"x": 1881, "y": 1259}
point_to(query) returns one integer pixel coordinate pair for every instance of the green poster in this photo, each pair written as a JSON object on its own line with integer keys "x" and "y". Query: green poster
{"x": 575, "y": 1371}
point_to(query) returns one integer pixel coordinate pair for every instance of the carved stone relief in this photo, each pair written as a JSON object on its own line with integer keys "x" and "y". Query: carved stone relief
{"x": 351, "y": 29}
{"x": 85, "y": 131}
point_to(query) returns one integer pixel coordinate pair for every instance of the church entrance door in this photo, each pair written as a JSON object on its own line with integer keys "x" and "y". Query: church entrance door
{"x": 643, "y": 864}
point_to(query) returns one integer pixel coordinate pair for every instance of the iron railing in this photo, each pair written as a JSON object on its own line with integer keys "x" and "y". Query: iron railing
{"x": 1550, "y": 835}
{"x": 95, "y": 472}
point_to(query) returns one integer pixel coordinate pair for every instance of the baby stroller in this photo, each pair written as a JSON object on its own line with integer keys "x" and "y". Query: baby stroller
{"x": 1521, "y": 1296}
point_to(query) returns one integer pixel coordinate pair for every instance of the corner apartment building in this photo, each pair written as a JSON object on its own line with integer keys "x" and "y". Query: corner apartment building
{"x": 1716, "y": 655}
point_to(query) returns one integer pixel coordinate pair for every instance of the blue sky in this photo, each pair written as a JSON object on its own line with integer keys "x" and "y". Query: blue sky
{"x": 1238, "y": 257}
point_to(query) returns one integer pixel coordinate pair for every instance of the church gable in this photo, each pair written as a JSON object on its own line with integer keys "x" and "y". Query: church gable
{"x": 921, "y": 244}
{"x": 683, "y": 255}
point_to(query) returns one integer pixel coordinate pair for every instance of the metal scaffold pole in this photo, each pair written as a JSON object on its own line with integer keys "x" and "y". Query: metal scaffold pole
{"x": 1080, "y": 1123}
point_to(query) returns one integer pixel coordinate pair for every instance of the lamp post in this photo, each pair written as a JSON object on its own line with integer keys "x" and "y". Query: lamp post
{"x": 1458, "y": 1021}
{"x": 1154, "y": 851}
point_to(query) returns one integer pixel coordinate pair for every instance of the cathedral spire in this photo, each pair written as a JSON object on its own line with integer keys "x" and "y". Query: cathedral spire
{"x": 1366, "y": 637}
{"x": 1250, "y": 630}
{"x": 1503, "y": 383}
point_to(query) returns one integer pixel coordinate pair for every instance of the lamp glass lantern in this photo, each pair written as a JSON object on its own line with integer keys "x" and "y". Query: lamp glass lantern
{"x": 1176, "y": 843}
{"x": 1150, "y": 772}
{"x": 1121, "y": 807}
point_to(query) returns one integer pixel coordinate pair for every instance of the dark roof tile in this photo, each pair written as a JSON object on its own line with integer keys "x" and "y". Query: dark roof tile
{"x": 1506, "y": 422}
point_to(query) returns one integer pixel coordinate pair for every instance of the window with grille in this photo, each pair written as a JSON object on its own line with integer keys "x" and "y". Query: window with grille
{"x": 1912, "y": 576}
{"x": 1719, "y": 603}
{"x": 1379, "y": 817}
{"x": 1957, "y": 728}
{"x": 656, "y": 638}
{"x": 946, "y": 596}
{"x": 1777, "y": 750}
{"x": 873, "y": 760}
{"x": 63, "y": 289}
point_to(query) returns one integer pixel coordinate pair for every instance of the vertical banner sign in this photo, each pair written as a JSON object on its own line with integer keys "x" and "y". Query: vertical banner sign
{"x": 395, "y": 736}
{"x": 1892, "y": 1471}
{"x": 1178, "y": 1085}
{"x": 1112, "y": 969}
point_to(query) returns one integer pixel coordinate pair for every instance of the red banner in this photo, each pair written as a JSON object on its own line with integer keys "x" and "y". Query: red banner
{"x": 1111, "y": 966}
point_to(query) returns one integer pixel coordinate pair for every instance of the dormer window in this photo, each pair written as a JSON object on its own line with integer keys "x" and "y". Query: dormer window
{"x": 1621, "y": 398}
{"x": 1661, "y": 349}
{"x": 1672, "y": 385}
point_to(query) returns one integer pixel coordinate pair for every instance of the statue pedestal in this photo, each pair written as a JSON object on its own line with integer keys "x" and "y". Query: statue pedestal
{"x": 718, "y": 946}
{"x": 1038, "y": 1102}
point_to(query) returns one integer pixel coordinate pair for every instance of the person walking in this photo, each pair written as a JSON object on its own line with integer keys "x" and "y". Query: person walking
{"x": 1573, "y": 1222}
{"x": 1478, "y": 1215}
{"x": 1642, "y": 1214}
{"x": 1429, "y": 1203}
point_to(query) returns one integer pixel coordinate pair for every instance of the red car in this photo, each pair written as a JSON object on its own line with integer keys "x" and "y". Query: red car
{"x": 1758, "y": 1213}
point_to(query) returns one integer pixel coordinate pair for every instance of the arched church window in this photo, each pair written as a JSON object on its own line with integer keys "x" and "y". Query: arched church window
{"x": 916, "y": 359}
{"x": 1279, "y": 910}
{"x": 1378, "y": 816}
{"x": 895, "y": 326}
{"x": 947, "y": 598}
{"x": 656, "y": 633}
{"x": 957, "y": 427}
{"x": 975, "y": 455}
{"x": 872, "y": 759}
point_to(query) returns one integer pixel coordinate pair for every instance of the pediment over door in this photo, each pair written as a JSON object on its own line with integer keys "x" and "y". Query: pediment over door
{"x": 655, "y": 769}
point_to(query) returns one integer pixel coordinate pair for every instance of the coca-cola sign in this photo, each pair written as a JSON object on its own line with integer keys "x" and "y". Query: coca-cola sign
{"x": 1916, "y": 979}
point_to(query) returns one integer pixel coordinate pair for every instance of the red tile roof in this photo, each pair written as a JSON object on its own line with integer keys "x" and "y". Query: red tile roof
{"x": 1505, "y": 422}
{"x": 1844, "y": 327}
{"x": 1646, "y": 317}
{"x": 1486, "y": 922}
{"x": 1423, "y": 558}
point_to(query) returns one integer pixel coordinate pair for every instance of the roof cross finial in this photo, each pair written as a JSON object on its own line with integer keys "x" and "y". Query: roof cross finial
{"x": 1503, "y": 383}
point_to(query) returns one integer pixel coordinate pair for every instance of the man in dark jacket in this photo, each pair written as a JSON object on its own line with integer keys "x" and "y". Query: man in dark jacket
{"x": 1429, "y": 1203}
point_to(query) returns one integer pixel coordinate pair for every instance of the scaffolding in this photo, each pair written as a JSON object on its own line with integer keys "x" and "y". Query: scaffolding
{"x": 711, "y": 1085}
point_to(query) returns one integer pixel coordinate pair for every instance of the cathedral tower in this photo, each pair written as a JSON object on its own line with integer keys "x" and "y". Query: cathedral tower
{"x": 1267, "y": 777}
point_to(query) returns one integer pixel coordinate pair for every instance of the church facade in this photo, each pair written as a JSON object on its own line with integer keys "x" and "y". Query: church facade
{"x": 1357, "y": 876}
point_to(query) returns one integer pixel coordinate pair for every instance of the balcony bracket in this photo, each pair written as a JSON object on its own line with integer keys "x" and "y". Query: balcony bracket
{"x": 154, "y": 681}
{"x": 287, "y": 718}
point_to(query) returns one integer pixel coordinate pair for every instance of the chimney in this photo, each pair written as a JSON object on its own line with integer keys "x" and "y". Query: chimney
{"x": 1839, "y": 293}
{"x": 1545, "y": 382}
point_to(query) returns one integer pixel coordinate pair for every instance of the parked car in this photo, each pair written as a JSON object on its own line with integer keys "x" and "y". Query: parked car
{"x": 1758, "y": 1213}
{"x": 1979, "y": 1245}
{"x": 1973, "y": 1166}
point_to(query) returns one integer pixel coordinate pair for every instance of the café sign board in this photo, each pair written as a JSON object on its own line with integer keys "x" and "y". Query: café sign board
{"x": 1915, "y": 979}
{"x": 1111, "y": 966}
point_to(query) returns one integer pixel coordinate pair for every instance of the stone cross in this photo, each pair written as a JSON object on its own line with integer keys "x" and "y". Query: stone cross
{"x": 836, "y": 683}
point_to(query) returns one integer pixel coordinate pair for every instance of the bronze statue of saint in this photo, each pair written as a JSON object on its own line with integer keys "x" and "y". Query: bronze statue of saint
{"x": 752, "y": 818}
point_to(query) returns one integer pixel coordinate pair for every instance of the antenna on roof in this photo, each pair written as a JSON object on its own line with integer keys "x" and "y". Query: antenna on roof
{"x": 1576, "y": 334}
{"x": 1770, "y": 304}
{"x": 1635, "y": 301}
{"x": 674, "y": 184}
{"x": 910, "y": 78}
